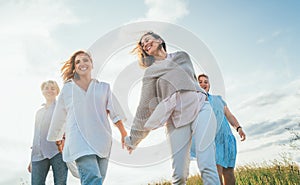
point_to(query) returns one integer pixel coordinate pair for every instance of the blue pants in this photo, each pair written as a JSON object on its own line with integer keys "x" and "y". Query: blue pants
{"x": 92, "y": 169}
{"x": 41, "y": 168}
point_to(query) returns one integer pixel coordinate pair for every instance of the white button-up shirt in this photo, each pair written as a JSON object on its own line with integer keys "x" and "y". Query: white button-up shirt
{"x": 82, "y": 116}
{"x": 41, "y": 148}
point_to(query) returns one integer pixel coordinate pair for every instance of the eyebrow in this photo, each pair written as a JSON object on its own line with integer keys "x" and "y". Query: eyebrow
{"x": 145, "y": 37}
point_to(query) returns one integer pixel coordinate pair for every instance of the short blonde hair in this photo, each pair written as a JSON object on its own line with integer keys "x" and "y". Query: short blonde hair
{"x": 50, "y": 82}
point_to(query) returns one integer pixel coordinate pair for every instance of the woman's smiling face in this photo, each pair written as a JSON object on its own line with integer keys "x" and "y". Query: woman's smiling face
{"x": 150, "y": 44}
{"x": 83, "y": 64}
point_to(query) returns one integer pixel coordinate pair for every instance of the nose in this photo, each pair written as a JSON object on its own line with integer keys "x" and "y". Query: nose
{"x": 145, "y": 44}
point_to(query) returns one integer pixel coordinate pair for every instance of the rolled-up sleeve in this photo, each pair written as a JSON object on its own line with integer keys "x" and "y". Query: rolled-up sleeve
{"x": 116, "y": 112}
{"x": 58, "y": 121}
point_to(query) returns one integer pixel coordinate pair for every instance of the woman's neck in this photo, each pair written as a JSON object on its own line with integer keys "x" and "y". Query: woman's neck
{"x": 161, "y": 55}
{"x": 49, "y": 102}
{"x": 84, "y": 79}
{"x": 83, "y": 82}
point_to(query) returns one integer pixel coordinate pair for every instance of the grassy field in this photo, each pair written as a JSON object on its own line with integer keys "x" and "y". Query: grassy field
{"x": 274, "y": 173}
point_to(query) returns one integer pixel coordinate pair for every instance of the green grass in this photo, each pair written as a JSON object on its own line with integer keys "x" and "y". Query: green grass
{"x": 274, "y": 173}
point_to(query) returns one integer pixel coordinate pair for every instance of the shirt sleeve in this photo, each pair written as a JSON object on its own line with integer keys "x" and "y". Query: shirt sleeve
{"x": 36, "y": 121}
{"x": 162, "y": 112}
{"x": 58, "y": 121}
{"x": 223, "y": 102}
{"x": 116, "y": 112}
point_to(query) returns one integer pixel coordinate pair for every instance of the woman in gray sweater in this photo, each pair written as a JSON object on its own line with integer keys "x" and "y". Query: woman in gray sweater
{"x": 171, "y": 96}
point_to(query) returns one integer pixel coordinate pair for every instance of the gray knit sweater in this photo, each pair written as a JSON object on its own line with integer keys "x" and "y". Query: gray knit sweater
{"x": 160, "y": 81}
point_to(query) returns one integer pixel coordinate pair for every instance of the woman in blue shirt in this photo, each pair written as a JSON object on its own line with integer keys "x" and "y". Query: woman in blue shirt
{"x": 225, "y": 140}
{"x": 44, "y": 153}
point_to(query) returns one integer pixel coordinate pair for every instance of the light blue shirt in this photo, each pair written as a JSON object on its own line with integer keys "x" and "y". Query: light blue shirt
{"x": 225, "y": 140}
{"x": 218, "y": 104}
{"x": 41, "y": 148}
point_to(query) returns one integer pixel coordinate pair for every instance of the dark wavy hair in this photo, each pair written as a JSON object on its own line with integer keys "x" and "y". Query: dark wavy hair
{"x": 202, "y": 75}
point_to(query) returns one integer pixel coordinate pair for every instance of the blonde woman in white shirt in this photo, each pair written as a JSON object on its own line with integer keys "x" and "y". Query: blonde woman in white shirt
{"x": 81, "y": 114}
{"x": 44, "y": 153}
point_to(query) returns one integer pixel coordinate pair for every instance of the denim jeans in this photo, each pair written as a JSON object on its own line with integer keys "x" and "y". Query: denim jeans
{"x": 41, "y": 168}
{"x": 92, "y": 169}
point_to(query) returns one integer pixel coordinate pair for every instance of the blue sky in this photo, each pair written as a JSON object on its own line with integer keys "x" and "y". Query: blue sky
{"x": 256, "y": 45}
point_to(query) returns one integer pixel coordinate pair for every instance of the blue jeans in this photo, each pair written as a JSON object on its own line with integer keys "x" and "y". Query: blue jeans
{"x": 40, "y": 170}
{"x": 92, "y": 169}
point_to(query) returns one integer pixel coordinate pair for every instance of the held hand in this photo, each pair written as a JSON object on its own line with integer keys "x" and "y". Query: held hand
{"x": 242, "y": 134}
{"x": 129, "y": 149}
{"x": 29, "y": 167}
{"x": 128, "y": 145}
{"x": 60, "y": 145}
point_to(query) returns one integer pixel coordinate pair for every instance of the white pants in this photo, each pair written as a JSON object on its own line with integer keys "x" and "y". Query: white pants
{"x": 204, "y": 129}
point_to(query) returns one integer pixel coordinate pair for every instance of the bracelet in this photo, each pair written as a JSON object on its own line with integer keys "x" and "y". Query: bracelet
{"x": 237, "y": 129}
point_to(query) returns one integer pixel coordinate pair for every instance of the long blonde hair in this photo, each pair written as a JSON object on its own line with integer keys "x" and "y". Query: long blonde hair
{"x": 68, "y": 69}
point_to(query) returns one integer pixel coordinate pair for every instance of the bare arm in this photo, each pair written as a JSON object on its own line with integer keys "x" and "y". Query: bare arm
{"x": 234, "y": 123}
{"x": 29, "y": 167}
{"x": 122, "y": 130}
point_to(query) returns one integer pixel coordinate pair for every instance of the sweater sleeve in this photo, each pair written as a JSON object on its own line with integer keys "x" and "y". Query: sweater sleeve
{"x": 147, "y": 104}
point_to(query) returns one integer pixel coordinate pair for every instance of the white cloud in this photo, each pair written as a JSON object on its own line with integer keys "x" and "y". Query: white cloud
{"x": 26, "y": 33}
{"x": 34, "y": 17}
{"x": 271, "y": 104}
{"x": 29, "y": 51}
{"x": 260, "y": 41}
{"x": 166, "y": 10}
{"x": 269, "y": 38}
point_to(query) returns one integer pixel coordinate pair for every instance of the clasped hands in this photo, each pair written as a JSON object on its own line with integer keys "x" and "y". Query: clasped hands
{"x": 127, "y": 143}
